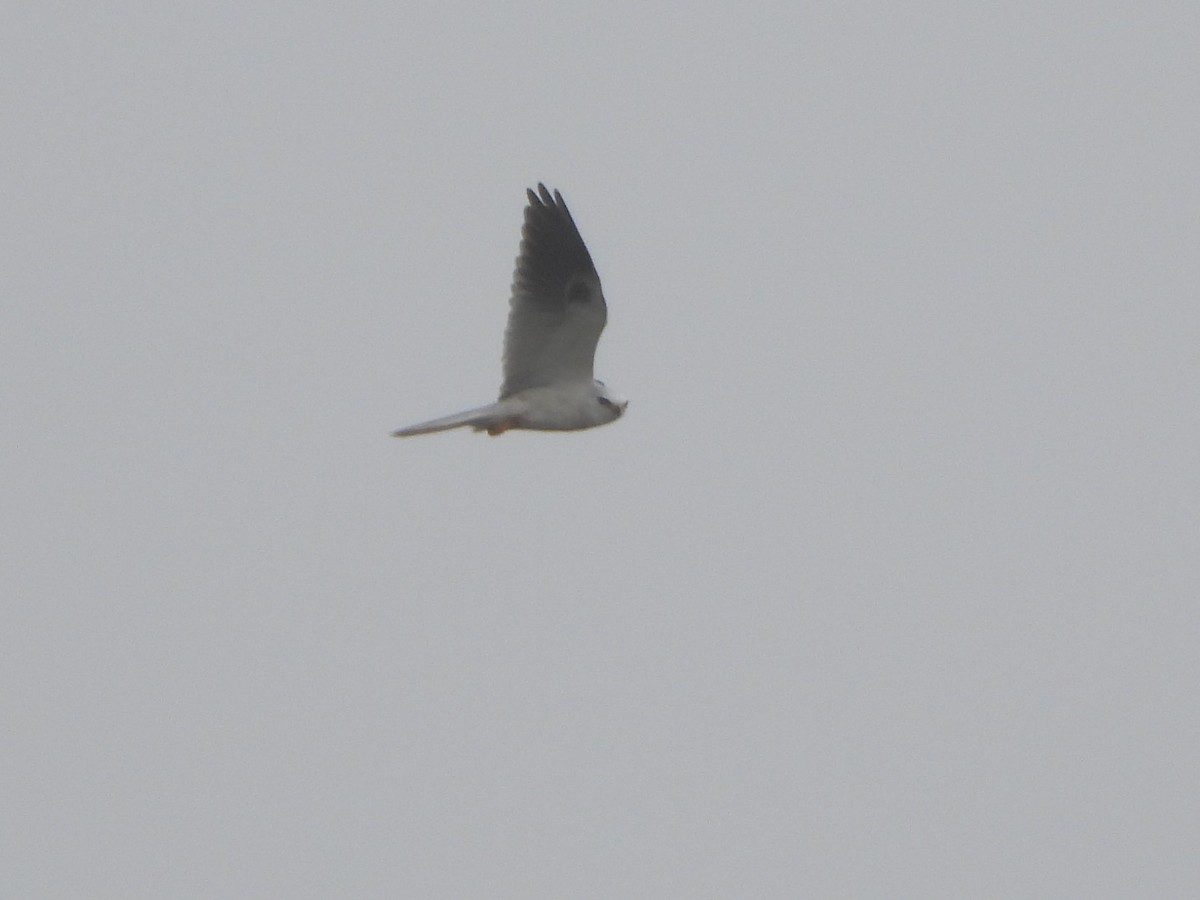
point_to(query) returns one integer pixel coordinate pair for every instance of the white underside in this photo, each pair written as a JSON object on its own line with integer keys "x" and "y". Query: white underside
{"x": 563, "y": 407}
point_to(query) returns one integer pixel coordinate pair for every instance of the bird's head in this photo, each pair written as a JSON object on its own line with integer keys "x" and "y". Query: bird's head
{"x": 611, "y": 405}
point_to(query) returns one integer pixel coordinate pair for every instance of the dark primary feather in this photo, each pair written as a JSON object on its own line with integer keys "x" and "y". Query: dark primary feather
{"x": 557, "y": 307}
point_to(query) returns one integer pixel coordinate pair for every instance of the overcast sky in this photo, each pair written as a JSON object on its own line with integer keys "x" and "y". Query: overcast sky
{"x": 885, "y": 585}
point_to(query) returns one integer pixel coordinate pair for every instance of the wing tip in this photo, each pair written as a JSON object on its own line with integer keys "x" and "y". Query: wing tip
{"x": 545, "y": 197}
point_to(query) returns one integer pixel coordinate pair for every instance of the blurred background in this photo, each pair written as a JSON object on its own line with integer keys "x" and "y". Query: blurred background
{"x": 885, "y": 585}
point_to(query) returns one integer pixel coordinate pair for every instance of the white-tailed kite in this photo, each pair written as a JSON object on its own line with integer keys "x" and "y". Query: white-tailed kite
{"x": 556, "y": 314}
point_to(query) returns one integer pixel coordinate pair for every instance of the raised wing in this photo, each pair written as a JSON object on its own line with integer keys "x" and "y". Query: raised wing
{"x": 557, "y": 309}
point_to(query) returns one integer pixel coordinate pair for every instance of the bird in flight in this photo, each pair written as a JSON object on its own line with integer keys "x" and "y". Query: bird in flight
{"x": 555, "y": 317}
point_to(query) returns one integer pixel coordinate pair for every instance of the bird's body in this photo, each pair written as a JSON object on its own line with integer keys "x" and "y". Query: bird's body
{"x": 566, "y": 407}
{"x": 556, "y": 315}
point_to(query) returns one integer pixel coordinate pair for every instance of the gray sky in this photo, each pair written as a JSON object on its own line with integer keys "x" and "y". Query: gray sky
{"x": 885, "y": 586}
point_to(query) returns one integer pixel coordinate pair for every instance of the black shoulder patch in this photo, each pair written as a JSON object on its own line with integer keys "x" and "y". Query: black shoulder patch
{"x": 579, "y": 290}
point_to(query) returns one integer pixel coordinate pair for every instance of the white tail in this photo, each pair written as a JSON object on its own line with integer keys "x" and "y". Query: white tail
{"x": 483, "y": 417}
